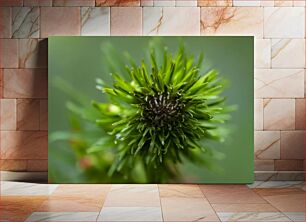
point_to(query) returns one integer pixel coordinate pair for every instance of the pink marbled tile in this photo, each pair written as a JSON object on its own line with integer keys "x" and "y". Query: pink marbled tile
{"x": 284, "y": 3}
{"x": 215, "y": 3}
{"x": 8, "y": 53}
{"x": 118, "y": 2}
{"x": 33, "y": 53}
{"x": 279, "y": 114}
{"x": 258, "y": 114}
{"x": 37, "y": 165}
{"x": 284, "y": 22}
{"x": 279, "y": 83}
{"x": 27, "y": 114}
{"x": 289, "y": 165}
{"x": 292, "y": 144}
{"x": 300, "y": 114}
{"x": 266, "y": 3}
{"x": 1, "y": 83}
{"x": 13, "y": 165}
{"x": 73, "y": 2}
{"x": 24, "y": 144}
{"x": 126, "y": 21}
{"x": 37, "y": 2}
{"x": 5, "y": 22}
{"x": 283, "y": 50}
{"x": 52, "y": 17}
{"x": 267, "y": 145}
{"x": 25, "y": 83}
{"x": 4, "y": 3}
{"x": 7, "y": 114}
{"x": 262, "y": 53}
{"x": 232, "y": 21}
{"x": 263, "y": 165}
{"x": 43, "y": 114}
{"x": 171, "y": 21}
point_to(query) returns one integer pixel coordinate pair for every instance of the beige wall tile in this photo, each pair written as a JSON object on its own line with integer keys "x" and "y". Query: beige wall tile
{"x": 171, "y": 21}
{"x": 258, "y": 114}
{"x": 95, "y": 21}
{"x": 262, "y": 53}
{"x": 299, "y": 3}
{"x": 126, "y": 21}
{"x": 25, "y": 22}
{"x": 24, "y": 145}
{"x": 51, "y": 17}
{"x": 73, "y": 2}
{"x": 186, "y": 3}
{"x": 215, "y": 3}
{"x": 300, "y": 114}
{"x": 280, "y": 3}
{"x": 146, "y": 2}
{"x": 5, "y": 22}
{"x": 163, "y": 3}
{"x": 25, "y": 83}
{"x": 248, "y": 3}
{"x": 7, "y": 114}
{"x": 1, "y": 83}
{"x": 187, "y": 209}
{"x": 292, "y": 144}
{"x": 266, "y": 3}
{"x": 37, "y": 165}
{"x": 13, "y": 165}
{"x": 27, "y": 114}
{"x": 8, "y": 53}
{"x": 43, "y": 114}
{"x": 279, "y": 114}
{"x": 232, "y": 21}
{"x": 33, "y": 53}
{"x": 37, "y": 2}
{"x": 4, "y": 3}
{"x": 267, "y": 145}
{"x": 117, "y": 2}
{"x": 264, "y": 165}
{"x": 284, "y": 22}
{"x": 289, "y": 165}
{"x": 279, "y": 83}
{"x": 284, "y": 50}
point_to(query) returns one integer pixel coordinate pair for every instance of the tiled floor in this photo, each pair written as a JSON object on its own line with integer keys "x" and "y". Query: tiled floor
{"x": 261, "y": 201}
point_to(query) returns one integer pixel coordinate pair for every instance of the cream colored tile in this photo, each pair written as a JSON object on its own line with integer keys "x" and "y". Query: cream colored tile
{"x": 187, "y": 209}
{"x": 246, "y": 3}
{"x": 258, "y": 114}
{"x": 254, "y": 216}
{"x": 133, "y": 196}
{"x": 95, "y": 21}
{"x": 171, "y": 21}
{"x": 263, "y": 53}
{"x": 283, "y": 3}
{"x": 279, "y": 114}
{"x": 284, "y": 22}
{"x": 279, "y": 83}
{"x": 267, "y": 145}
{"x": 146, "y": 2}
{"x": 163, "y": 3}
{"x": 186, "y": 3}
{"x": 180, "y": 190}
{"x": 8, "y": 114}
{"x": 284, "y": 50}
{"x": 292, "y": 144}
{"x": 130, "y": 214}
{"x": 232, "y": 21}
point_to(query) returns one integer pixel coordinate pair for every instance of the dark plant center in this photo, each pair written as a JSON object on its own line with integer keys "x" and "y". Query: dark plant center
{"x": 162, "y": 109}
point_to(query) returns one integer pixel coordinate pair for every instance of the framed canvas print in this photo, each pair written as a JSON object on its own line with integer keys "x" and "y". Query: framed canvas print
{"x": 151, "y": 109}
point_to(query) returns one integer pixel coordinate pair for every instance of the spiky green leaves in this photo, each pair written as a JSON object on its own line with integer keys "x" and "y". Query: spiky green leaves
{"x": 163, "y": 111}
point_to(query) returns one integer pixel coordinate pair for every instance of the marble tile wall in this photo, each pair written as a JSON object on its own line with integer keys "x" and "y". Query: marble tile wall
{"x": 278, "y": 27}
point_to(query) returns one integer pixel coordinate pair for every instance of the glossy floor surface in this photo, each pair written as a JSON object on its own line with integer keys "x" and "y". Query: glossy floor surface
{"x": 261, "y": 201}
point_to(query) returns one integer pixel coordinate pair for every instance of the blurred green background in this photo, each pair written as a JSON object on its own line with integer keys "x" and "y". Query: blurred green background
{"x": 78, "y": 61}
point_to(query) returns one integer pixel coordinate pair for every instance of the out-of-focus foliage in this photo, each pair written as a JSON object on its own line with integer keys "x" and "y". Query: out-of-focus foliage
{"x": 158, "y": 113}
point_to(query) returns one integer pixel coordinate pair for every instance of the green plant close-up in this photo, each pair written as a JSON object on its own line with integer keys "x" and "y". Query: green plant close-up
{"x": 152, "y": 116}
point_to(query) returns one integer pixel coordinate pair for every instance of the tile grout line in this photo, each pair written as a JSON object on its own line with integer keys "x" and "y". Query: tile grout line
{"x": 161, "y": 208}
